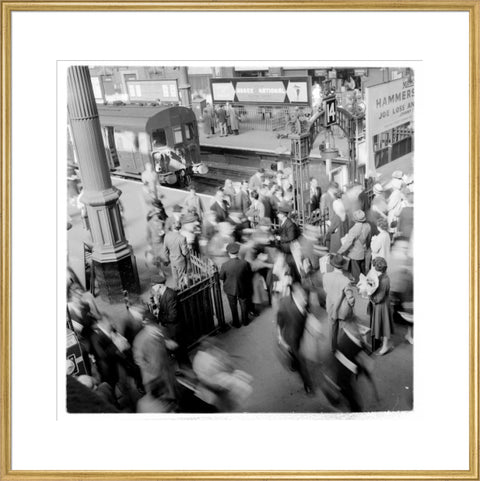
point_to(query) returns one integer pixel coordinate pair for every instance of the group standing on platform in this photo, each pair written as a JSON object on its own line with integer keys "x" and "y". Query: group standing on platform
{"x": 361, "y": 253}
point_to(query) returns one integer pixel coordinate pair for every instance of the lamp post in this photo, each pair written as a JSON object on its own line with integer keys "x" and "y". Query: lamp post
{"x": 112, "y": 256}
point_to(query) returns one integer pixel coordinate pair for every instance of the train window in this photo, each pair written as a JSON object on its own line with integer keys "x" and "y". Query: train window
{"x": 189, "y": 131}
{"x": 159, "y": 139}
{"x": 177, "y": 134}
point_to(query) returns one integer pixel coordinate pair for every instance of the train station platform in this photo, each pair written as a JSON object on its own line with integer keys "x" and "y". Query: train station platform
{"x": 261, "y": 143}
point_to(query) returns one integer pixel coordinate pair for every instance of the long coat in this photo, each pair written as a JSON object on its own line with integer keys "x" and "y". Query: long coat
{"x": 288, "y": 232}
{"x": 232, "y": 115}
{"x": 168, "y": 315}
{"x": 176, "y": 248}
{"x": 356, "y": 242}
{"x": 236, "y": 275}
{"x": 336, "y": 231}
{"x": 381, "y": 322}
{"x": 151, "y": 356}
{"x": 207, "y": 123}
{"x": 291, "y": 322}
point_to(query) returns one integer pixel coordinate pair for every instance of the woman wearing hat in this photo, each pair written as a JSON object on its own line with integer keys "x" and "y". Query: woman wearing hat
{"x": 381, "y": 323}
{"x": 355, "y": 244}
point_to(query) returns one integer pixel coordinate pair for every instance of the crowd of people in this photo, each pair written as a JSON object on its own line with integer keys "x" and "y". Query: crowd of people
{"x": 223, "y": 119}
{"x": 362, "y": 250}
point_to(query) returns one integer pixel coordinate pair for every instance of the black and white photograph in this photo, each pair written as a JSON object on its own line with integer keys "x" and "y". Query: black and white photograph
{"x": 239, "y": 238}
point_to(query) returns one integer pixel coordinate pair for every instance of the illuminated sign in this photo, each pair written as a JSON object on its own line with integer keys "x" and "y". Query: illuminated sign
{"x": 275, "y": 90}
{"x": 152, "y": 90}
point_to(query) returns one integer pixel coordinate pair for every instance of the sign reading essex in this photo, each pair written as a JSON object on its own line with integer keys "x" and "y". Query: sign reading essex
{"x": 265, "y": 91}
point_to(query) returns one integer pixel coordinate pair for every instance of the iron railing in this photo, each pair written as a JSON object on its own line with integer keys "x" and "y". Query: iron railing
{"x": 200, "y": 300}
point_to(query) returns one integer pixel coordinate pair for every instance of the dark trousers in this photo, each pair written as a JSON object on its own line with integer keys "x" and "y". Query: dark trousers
{"x": 244, "y": 304}
{"x": 299, "y": 364}
{"x": 357, "y": 268}
{"x": 335, "y": 325}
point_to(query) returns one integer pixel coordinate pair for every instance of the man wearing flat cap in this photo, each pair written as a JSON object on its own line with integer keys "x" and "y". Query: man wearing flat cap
{"x": 355, "y": 244}
{"x": 236, "y": 275}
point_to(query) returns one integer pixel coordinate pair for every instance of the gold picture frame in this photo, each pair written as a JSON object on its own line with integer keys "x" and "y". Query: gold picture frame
{"x": 470, "y": 6}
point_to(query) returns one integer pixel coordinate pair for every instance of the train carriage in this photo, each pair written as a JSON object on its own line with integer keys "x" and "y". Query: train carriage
{"x": 165, "y": 136}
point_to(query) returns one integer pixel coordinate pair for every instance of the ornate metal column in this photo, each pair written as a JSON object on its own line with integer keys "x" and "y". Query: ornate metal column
{"x": 112, "y": 255}
{"x": 184, "y": 88}
{"x": 300, "y": 152}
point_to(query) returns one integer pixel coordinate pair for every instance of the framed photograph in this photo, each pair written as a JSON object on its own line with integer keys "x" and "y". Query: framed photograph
{"x": 213, "y": 256}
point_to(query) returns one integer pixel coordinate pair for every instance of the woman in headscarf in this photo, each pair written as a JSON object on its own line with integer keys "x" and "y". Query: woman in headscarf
{"x": 339, "y": 226}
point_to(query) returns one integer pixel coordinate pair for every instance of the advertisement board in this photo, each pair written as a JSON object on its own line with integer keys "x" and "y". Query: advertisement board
{"x": 152, "y": 90}
{"x": 262, "y": 91}
{"x": 388, "y": 105}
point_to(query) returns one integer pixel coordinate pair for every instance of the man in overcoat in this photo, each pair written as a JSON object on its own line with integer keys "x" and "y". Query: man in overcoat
{"x": 291, "y": 320}
{"x": 236, "y": 275}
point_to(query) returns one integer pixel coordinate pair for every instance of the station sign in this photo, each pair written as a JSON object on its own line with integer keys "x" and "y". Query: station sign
{"x": 262, "y": 91}
{"x": 153, "y": 90}
{"x": 330, "y": 111}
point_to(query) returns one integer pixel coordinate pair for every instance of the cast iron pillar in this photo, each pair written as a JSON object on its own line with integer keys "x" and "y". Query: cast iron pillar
{"x": 184, "y": 88}
{"x": 300, "y": 153}
{"x": 112, "y": 256}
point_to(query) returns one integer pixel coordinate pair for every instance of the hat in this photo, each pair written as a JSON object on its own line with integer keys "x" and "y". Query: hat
{"x": 398, "y": 174}
{"x": 377, "y": 188}
{"x": 380, "y": 264}
{"x": 189, "y": 218}
{"x": 233, "y": 248}
{"x": 337, "y": 261}
{"x": 284, "y": 207}
{"x": 158, "y": 279}
{"x": 177, "y": 208}
{"x": 359, "y": 216}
